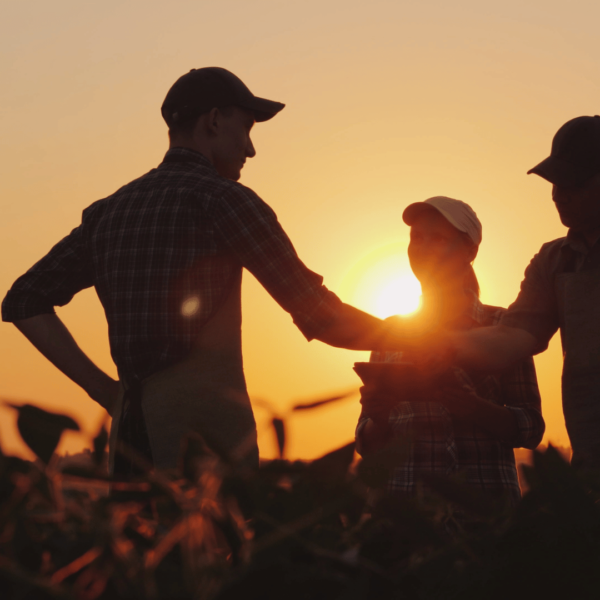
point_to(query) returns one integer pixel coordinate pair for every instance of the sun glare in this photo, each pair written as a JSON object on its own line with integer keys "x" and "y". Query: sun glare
{"x": 382, "y": 283}
{"x": 399, "y": 296}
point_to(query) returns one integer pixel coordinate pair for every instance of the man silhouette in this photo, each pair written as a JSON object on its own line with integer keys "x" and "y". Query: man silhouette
{"x": 165, "y": 254}
{"x": 561, "y": 290}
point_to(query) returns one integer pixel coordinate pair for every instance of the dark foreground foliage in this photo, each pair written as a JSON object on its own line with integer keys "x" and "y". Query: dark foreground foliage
{"x": 292, "y": 530}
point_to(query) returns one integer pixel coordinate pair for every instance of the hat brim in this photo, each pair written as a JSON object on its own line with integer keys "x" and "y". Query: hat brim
{"x": 561, "y": 173}
{"x": 262, "y": 108}
{"x": 412, "y": 211}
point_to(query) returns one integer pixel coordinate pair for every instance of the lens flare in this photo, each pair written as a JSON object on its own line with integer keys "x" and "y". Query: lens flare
{"x": 190, "y": 306}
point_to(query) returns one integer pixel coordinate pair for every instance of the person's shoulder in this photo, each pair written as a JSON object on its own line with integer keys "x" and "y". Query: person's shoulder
{"x": 128, "y": 189}
{"x": 132, "y": 189}
{"x": 236, "y": 189}
{"x": 232, "y": 195}
{"x": 550, "y": 249}
{"x": 95, "y": 209}
{"x": 547, "y": 261}
{"x": 557, "y": 243}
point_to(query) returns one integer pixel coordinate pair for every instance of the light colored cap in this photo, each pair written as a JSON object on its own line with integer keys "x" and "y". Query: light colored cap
{"x": 456, "y": 212}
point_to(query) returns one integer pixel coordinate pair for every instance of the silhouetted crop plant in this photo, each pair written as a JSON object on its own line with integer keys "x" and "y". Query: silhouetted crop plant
{"x": 211, "y": 530}
{"x": 278, "y": 420}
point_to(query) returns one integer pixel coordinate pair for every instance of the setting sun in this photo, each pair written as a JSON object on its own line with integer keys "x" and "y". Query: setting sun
{"x": 399, "y": 296}
{"x": 382, "y": 282}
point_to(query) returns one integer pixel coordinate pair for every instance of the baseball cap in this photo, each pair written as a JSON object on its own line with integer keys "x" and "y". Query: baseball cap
{"x": 201, "y": 90}
{"x": 575, "y": 154}
{"x": 456, "y": 212}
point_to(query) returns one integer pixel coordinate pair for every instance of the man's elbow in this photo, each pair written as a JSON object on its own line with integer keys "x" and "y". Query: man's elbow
{"x": 517, "y": 344}
{"x": 20, "y": 307}
{"x": 494, "y": 348}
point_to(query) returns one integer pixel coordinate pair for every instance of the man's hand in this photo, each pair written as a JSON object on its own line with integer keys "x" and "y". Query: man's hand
{"x": 463, "y": 403}
{"x": 107, "y": 394}
{"x": 491, "y": 349}
{"x": 435, "y": 356}
{"x": 49, "y": 335}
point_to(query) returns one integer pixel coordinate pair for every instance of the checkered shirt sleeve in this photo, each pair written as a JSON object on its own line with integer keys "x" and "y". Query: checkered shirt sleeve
{"x": 250, "y": 229}
{"x": 52, "y": 281}
{"x": 520, "y": 394}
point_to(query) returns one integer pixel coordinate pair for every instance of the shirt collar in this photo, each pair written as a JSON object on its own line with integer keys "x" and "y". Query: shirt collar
{"x": 574, "y": 241}
{"x": 187, "y": 155}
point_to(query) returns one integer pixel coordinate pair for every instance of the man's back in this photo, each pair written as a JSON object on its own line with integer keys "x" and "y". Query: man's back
{"x": 164, "y": 252}
{"x": 159, "y": 266}
{"x": 152, "y": 253}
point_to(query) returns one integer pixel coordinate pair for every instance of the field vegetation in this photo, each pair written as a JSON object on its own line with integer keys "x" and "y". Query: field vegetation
{"x": 291, "y": 530}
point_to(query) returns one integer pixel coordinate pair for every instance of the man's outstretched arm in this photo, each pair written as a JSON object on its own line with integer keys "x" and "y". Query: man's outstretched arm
{"x": 486, "y": 348}
{"x": 491, "y": 348}
{"x": 50, "y": 336}
{"x": 354, "y": 329}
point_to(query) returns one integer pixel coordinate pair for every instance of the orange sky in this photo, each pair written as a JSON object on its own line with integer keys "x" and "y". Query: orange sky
{"x": 387, "y": 103}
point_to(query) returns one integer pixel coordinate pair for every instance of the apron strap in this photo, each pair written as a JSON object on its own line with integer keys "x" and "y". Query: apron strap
{"x": 132, "y": 433}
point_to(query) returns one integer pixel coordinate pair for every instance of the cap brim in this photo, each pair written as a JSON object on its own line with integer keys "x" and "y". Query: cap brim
{"x": 561, "y": 173}
{"x": 262, "y": 108}
{"x": 412, "y": 211}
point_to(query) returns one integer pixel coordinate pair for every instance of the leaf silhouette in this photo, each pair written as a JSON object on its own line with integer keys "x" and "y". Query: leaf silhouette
{"x": 263, "y": 404}
{"x": 321, "y": 402}
{"x": 42, "y": 430}
{"x": 279, "y": 427}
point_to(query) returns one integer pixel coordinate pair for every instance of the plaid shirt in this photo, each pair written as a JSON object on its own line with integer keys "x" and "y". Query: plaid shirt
{"x": 163, "y": 252}
{"x": 445, "y": 446}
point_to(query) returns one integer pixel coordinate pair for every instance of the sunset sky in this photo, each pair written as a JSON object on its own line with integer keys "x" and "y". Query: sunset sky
{"x": 387, "y": 103}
